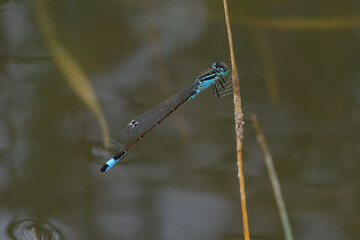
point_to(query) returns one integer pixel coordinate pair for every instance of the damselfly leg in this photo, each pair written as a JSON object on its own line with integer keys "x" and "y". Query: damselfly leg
{"x": 227, "y": 90}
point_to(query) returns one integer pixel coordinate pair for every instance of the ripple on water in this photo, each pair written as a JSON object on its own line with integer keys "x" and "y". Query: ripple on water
{"x": 25, "y": 229}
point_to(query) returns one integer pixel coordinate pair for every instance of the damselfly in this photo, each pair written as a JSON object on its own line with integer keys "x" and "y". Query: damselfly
{"x": 146, "y": 122}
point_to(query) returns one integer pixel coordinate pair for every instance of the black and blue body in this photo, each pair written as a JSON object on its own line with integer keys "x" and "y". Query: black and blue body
{"x": 147, "y": 121}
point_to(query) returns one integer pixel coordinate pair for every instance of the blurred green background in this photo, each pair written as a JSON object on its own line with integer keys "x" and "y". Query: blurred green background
{"x": 71, "y": 70}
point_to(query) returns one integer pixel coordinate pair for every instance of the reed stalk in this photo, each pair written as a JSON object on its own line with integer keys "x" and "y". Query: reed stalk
{"x": 239, "y": 125}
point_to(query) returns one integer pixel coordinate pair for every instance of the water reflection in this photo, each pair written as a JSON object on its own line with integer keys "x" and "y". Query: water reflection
{"x": 138, "y": 53}
{"x": 102, "y": 154}
{"x": 165, "y": 29}
{"x": 3, "y": 4}
{"x": 33, "y": 229}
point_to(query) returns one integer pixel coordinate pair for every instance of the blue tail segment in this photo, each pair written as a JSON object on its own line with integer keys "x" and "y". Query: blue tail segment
{"x": 107, "y": 165}
{"x": 112, "y": 162}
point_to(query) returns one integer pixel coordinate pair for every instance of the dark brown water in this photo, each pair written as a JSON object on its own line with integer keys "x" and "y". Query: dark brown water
{"x": 299, "y": 68}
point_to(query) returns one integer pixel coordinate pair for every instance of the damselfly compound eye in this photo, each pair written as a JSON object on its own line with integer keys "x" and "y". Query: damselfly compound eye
{"x": 215, "y": 65}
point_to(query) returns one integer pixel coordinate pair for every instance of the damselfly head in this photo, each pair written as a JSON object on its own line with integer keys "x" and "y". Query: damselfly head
{"x": 220, "y": 67}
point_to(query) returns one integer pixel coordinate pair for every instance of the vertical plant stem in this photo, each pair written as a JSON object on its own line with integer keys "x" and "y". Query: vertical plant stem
{"x": 260, "y": 137}
{"x": 239, "y": 124}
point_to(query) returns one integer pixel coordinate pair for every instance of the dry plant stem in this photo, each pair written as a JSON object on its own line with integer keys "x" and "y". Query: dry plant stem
{"x": 70, "y": 69}
{"x": 238, "y": 125}
{"x": 260, "y": 137}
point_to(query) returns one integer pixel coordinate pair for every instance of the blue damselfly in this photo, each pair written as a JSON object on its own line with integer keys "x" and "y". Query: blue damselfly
{"x": 146, "y": 122}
